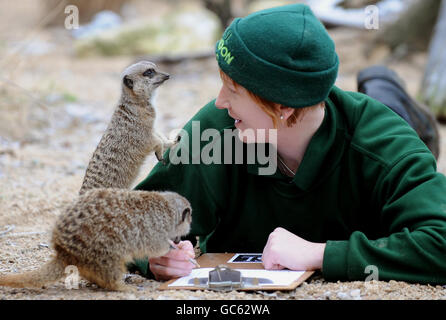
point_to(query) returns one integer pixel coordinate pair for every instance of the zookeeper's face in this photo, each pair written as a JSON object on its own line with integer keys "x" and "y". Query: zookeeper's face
{"x": 247, "y": 114}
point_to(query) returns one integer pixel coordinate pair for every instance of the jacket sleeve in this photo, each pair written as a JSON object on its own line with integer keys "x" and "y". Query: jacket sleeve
{"x": 412, "y": 198}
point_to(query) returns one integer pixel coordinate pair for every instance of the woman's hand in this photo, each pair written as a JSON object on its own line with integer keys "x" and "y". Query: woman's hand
{"x": 175, "y": 263}
{"x": 286, "y": 250}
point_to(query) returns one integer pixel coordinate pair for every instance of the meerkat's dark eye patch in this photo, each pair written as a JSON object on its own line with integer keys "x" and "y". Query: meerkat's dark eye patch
{"x": 128, "y": 82}
{"x": 186, "y": 213}
{"x": 149, "y": 73}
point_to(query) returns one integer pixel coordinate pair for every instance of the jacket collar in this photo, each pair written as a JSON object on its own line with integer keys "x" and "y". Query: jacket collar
{"x": 322, "y": 155}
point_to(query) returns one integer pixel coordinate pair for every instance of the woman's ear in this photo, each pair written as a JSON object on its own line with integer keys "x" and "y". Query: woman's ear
{"x": 285, "y": 113}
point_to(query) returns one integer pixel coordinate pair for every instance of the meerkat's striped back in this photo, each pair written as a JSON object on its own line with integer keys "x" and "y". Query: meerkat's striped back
{"x": 121, "y": 151}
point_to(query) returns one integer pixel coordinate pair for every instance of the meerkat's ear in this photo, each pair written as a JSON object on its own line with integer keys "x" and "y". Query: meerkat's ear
{"x": 128, "y": 82}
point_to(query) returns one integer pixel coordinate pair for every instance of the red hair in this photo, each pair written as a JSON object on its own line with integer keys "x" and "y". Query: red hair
{"x": 270, "y": 108}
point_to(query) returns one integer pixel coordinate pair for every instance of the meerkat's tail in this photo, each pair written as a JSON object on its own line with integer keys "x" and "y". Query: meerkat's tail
{"x": 50, "y": 272}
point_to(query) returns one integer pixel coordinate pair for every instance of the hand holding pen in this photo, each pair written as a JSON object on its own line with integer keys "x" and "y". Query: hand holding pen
{"x": 174, "y": 246}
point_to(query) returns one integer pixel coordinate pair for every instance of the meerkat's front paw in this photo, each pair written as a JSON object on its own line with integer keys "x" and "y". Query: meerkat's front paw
{"x": 172, "y": 143}
{"x": 159, "y": 156}
{"x": 164, "y": 144}
{"x": 159, "y": 151}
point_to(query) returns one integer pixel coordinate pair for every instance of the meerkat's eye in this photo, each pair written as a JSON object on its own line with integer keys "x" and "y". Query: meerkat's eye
{"x": 149, "y": 73}
{"x": 128, "y": 82}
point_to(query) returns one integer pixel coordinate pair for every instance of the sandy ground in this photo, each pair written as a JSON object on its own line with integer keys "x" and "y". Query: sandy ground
{"x": 54, "y": 112}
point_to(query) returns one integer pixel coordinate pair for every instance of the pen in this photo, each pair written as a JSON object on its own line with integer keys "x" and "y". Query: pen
{"x": 192, "y": 260}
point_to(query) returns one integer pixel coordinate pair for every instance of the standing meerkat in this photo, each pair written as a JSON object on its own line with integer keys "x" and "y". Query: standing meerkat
{"x": 130, "y": 136}
{"x": 104, "y": 229}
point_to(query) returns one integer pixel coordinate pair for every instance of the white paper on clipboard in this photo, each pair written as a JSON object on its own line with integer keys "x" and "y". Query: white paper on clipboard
{"x": 275, "y": 277}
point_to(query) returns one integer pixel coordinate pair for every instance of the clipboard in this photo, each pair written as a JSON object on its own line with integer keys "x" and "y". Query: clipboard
{"x": 212, "y": 260}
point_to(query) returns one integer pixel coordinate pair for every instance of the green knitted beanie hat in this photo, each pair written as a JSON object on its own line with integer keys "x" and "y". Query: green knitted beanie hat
{"x": 283, "y": 54}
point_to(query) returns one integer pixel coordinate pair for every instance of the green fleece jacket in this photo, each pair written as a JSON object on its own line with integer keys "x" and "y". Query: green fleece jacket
{"x": 367, "y": 186}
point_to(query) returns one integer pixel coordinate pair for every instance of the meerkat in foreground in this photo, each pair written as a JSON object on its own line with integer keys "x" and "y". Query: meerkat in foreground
{"x": 106, "y": 228}
{"x": 130, "y": 136}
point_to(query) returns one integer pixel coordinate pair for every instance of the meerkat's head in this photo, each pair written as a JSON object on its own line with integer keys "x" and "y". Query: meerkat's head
{"x": 140, "y": 80}
{"x": 182, "y": 212}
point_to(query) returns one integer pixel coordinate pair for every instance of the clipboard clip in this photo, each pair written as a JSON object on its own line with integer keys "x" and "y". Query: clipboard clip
{"x": 223, "y": 278}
